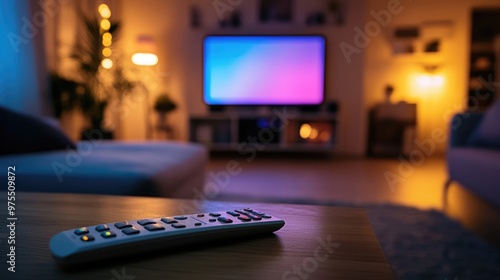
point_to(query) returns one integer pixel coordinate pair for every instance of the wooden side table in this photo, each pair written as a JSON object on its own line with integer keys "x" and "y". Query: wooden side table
{"x": 317, "y": 242}
{"x": 392, "y": 129}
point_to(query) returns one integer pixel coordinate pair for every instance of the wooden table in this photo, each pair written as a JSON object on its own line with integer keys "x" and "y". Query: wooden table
{"x": 316, "y": 242}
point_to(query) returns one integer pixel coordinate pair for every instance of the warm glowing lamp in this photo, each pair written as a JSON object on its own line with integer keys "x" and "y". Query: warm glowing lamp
{"x": 105, "y": 24}
{"x": 430, "y": 79}
{"x": 145, "y": 59}
{"x": 106, "y": 52}
{"x": 146, "y": 55}
{"x": 104, "y": 11}
{"x": 427, "y": 81}
{"x": 305, "y": 131}
{"x": 107, "y": 63}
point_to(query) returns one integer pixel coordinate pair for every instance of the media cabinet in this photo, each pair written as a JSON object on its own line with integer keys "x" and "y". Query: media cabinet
{"x": 274, "y": 131}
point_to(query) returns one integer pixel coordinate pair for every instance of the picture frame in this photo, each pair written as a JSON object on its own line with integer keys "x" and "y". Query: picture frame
{"x": 275, "y": 10}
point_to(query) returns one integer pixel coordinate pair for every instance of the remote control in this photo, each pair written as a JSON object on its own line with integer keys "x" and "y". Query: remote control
{"x": 103, "y": 241}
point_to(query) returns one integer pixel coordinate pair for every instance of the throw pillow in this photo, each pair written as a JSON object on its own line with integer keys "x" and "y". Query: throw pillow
{"x": 22, "y": 133}
{"x": 487, "y": 134}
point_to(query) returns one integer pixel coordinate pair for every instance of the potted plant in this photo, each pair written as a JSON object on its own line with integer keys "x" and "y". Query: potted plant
{"x": 91, "y": 88}
{"x": 163, "y": 105}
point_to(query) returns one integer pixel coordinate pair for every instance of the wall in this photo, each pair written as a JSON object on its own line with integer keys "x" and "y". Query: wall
{"x": 179, "y": 51}
{"x": 23, "y": 85}
{"x": 382, "y": 67}
{"x": 356, "y": 80}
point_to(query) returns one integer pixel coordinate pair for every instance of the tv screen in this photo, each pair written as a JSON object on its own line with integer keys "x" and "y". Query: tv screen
{"x": 263, "y": 70}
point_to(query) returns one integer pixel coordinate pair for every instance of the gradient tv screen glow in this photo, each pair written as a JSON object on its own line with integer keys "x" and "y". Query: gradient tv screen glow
{"x": 263, "y": 70}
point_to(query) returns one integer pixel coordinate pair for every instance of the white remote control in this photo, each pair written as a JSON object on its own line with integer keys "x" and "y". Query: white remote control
{"x": 110, "y": 240}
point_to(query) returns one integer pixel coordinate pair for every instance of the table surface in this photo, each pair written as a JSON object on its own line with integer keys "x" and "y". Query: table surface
{"x": 297, "y": 251}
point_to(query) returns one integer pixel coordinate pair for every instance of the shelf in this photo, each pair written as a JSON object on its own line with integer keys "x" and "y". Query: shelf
{"x": 296, "y": 131}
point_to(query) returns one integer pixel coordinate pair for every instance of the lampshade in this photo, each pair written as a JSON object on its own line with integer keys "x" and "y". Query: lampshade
{"x": 146, "y": 52}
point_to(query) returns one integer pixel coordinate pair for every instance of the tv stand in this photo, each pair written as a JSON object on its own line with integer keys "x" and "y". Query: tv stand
{"x": 277, "y": 129}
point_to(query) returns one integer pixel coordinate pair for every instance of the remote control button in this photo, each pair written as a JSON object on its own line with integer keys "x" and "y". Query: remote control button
{"x": 225, "y": 220}
{"x": 254, "y": 217}
{"x": 232, "y": 213}
{"x": 121, "y": 225}
{"x": 168, "y": 220}
{"x": 130, "y": 230}
{"x": 241, "y": 212}
{"x": 212, "y": 220}
{"x": 178, "y": 225}
{"x": 248, "y": 209}
{"x": 82, "y": 230}
{"x": 260, "y": 214}
{"x": 200, "y": 215}
{"x": 102, "y": 227}
{"x": 244, "y": 218}
{"x": 214, "y": 214}
{"x": 87, "y": 238}
{"x": 108, "y": 234}
{"x": 180, "y": 217}
{"x": 154, "y": 227}
{"x": 146, "y": 222}
{"x": 197, "y": 224}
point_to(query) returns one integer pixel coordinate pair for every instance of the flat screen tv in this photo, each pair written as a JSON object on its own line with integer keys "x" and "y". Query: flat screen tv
{"x": 264, "y": 70}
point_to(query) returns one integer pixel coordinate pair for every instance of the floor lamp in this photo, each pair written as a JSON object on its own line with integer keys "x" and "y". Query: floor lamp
{"x": 146, "y": 57}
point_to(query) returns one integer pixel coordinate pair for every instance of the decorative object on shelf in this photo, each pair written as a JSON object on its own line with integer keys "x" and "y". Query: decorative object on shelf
{"x": 275, "y": 10}
{"x": 389, "y": 90}
{"x": 483, "y": 63}
{"x": 232, "y": 19}
{"x": 404, "y": 40}
{"x": 195, "y": 17}
{"x": 432, "y": 46}
{"x": 336, "y": 9}
{"x": 317, "y": 18}
{"x": 427, "y": 37}
{"x": 235, "y": 19}
{"x": 97, "y": 80}
{"x": 164, "y": 105}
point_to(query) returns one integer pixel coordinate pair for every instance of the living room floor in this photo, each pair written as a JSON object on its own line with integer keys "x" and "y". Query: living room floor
{"x": 305, "y": 179}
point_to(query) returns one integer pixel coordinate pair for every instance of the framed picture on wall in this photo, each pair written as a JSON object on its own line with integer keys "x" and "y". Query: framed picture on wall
{"x": 275, "y": 10}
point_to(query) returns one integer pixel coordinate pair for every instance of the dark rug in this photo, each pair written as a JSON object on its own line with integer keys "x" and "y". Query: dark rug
{"x": 423, "y": 244}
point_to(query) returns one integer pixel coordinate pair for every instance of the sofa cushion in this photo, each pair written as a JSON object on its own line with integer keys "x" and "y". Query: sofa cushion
{"x": 154, "y": 168}
{"x": 477, "y": 170}
{"x": 27, "y": 134}
{"x": 487, "y": 134}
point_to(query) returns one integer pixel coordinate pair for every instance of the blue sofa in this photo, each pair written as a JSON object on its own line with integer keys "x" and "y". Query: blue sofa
{"x": 46, "y": 160}
{"x": 471, "y": 164}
